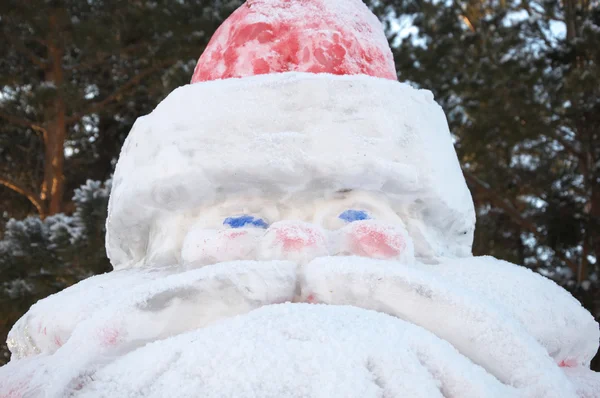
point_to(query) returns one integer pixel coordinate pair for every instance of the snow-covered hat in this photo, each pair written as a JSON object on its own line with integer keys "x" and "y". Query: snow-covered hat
{"x": 283, "y": 133}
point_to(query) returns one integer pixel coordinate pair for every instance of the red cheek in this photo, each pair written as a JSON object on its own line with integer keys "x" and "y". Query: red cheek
{"x": 58, "y": 341}
{"x": 370, "y": 241}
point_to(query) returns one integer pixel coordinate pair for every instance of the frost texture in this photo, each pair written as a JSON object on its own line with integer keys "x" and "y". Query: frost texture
{"x": 453, "y": 329}
{"x": 301, "y": 351}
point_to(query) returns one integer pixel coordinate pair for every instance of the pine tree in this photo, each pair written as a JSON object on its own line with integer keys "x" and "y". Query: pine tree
{"x": 75, "y": 75}
{"x": 41, "y": 257}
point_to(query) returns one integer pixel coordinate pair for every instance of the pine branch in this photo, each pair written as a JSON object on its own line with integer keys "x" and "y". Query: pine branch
{"x": 117, "y": 94}
{"x": 510, "y": 209}
{"x": 500, "y": 202}
{"x": 30, "y": 195}
{"x": 21, "y": 122}
{"x": 569, "y": 147}
{"x": 22, "y": 48}
{"x": 102, "y": 58}
{"x": 535, "y": 14}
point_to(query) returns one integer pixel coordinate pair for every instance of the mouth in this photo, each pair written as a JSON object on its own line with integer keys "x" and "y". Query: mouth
{"x": 125, "y": 310}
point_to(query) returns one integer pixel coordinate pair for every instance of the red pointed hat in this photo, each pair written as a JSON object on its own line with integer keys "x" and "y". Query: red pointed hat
{"x": 340, "y": 37}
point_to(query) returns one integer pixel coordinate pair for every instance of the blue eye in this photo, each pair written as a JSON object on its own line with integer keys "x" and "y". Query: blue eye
{"x": 245, "y": 221}
{"x": 354, "y": 215}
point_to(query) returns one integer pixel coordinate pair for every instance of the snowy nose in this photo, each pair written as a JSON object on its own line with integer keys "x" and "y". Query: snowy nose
{"x": 374, "y": 239}
{"x": 293, "y": 241}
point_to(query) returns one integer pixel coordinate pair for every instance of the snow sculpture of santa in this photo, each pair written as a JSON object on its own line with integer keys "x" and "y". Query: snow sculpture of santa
{"x": 296, "y": 224}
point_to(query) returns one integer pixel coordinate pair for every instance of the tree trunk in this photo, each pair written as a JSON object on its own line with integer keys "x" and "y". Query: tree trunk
{"x": 570, "y": 19}
{"x": 53, "y": 186}
{"x": 594, "y": 224}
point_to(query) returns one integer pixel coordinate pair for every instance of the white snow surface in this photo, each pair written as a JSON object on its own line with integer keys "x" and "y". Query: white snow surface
{"x": 300, "y": 350}
{"x": 463, "y": 328}
{"x": 136, "y": 306}
{"x": 281, "y": 137}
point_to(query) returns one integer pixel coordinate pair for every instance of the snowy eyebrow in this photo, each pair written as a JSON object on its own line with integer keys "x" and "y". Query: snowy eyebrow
{"x": 245, "y": 221}
{"x": 354, "y": 215}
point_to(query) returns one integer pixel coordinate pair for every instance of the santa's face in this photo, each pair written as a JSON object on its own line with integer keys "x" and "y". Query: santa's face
{"x": 295, "y": 229}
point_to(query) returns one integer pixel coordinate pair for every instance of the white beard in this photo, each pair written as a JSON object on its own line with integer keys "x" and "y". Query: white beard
{"x": 464, "y": 328}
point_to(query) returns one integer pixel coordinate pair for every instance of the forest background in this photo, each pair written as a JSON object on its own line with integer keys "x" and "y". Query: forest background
{"x": 519, "y": 81}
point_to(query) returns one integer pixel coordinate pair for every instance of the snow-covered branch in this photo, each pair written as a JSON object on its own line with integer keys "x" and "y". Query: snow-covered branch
{"x": 116, "y": 95}
{"x": 30, "y": 195}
